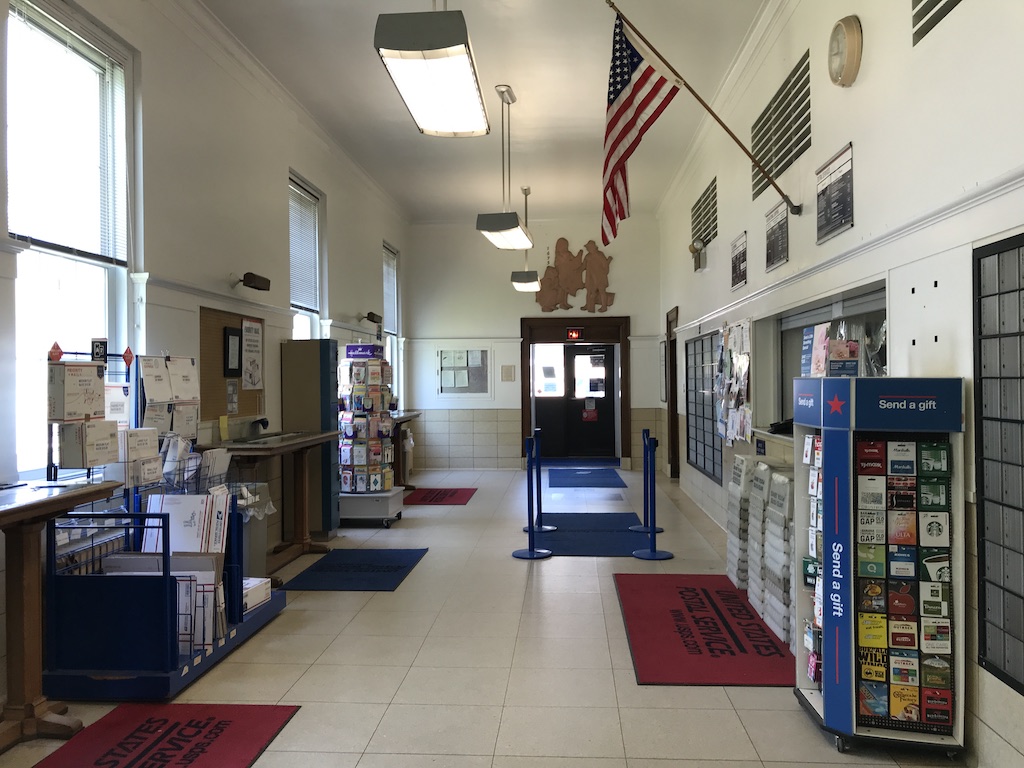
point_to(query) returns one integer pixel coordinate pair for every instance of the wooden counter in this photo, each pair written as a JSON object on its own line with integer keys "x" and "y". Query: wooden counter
{"x": 298, "y": 444}
{"x": 24, "y": 511}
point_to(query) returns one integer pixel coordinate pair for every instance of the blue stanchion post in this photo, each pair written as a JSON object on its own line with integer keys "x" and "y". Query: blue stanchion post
{"x": 648, "y": 470}
{"x": 538, "y": 521}
{"x": 653, "y": 553}
{"x": 531, "y": 552}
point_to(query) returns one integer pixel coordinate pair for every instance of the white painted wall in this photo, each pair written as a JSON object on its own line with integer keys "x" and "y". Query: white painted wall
{"x": 938, "y": 170}
{"x": 457, "y": 287}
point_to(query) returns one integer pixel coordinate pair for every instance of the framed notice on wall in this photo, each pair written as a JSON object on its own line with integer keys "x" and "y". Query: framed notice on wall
{"x": 739, "y": 261}
{"x": 252, "y": 354}
{"x": 835, "y": 195}
{"x": 463, "y": 372}
{"x": 776, "y": 223}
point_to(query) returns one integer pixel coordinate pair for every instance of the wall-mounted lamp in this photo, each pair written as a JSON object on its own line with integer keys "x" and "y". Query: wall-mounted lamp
{"x": 252, "y": 280}
{"x": 431, "y": 63}
{"x": 700, "y": 254}
{"x": 505, "y": 230}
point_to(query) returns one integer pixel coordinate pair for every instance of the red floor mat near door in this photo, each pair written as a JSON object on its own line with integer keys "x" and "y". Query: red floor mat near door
{"x": 439, "y": 496}
{"x": 690, "y": 629}
{"x": 196, "y": 735}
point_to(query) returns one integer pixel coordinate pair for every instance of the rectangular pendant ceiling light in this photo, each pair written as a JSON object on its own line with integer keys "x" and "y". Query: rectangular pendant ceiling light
{"x": 431, "y": 63}
{"x": 526, "y": 282}
{"x": 505, "y": 230}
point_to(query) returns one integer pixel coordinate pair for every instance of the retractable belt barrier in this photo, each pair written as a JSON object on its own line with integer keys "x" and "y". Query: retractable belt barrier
{"x": 533, "y": 488}
{"x": 653, "y": 553}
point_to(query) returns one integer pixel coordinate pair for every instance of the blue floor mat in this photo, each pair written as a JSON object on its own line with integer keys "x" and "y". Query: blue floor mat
{"x": 595, "y": 477}
{"x": 358, "y": 570}
{"x": 591, "y": 534}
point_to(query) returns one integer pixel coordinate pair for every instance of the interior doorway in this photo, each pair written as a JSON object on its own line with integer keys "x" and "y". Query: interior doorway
{"x": 574, "y": 399}
{"x": 580, "y": 366}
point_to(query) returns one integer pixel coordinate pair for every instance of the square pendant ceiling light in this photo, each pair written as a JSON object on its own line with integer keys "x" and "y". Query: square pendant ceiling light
{"x": 431, "y": 63}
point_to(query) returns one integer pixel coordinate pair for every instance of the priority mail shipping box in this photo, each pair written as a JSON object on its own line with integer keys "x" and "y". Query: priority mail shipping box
{"x": 75, "y": 392}
{"x": 87, "y": 444}
{"x": 135, "y": 444}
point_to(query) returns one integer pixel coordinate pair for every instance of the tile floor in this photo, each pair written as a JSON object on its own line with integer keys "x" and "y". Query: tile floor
{"x": 482, "y": 660}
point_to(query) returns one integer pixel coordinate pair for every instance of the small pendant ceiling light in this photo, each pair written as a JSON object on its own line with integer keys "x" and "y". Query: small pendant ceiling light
{"x": 527, "y": 281}
{"x": 431, "y": 63}
{"x": 506, "y": 230}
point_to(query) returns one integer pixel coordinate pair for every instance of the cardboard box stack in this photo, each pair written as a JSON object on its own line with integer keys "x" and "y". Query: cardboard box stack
{"x": 760, "y": 482}
{"x": 778, "y": 595}
{"x": 366, "y": 449}
{"x": 737, "y": 520}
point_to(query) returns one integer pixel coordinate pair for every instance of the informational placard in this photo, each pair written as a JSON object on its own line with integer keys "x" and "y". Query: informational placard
{"x": 252, "y": 354}
{"x": 739, "y": 261}
{"x": 776, "y": 223}
{"x": 835, "y": 195}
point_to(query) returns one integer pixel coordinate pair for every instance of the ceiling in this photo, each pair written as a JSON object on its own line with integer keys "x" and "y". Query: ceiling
{"x": 554, "y": 53}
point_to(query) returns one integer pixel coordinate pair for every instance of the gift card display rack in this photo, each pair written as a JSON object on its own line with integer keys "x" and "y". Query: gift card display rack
{"x": 880, "y": 494}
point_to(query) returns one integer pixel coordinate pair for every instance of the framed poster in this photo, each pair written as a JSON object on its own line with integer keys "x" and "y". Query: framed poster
{"x": 835, "y": 195}
{"x": 252, "y": 354}
{"x": 776, "y": 223}
{"x": 739, "y": 261}
{"x": 232, "y": 353}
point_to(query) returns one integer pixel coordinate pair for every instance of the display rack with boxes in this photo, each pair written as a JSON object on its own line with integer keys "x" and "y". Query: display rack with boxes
{"x": 142, "y": 626}
{"x": 367, "y": 447}
{"x": 885, "y": 552}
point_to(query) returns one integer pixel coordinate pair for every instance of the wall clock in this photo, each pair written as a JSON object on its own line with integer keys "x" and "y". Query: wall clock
{"x": 844, "y": 51}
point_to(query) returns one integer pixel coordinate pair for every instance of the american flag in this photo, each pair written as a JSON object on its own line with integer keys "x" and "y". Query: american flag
{"x": 637, "y": 95}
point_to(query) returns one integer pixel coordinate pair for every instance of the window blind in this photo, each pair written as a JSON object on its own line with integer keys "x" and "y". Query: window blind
{"x": 304, "y": 245}
{"x": 390, "y": 290}
{"x": 79, "y": 166}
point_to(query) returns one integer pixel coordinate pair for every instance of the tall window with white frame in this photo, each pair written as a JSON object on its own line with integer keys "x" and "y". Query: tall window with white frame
{"x": 391, "y": 315}
{"x": 68, "y": 171}
{"x": 304, "y": 239}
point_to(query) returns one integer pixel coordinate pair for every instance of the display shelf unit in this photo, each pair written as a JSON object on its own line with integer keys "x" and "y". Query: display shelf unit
{"x": 114, "y": 638}
{"x": 878, "y": 677}
{"x": 367, "y": 449}
{"x": 309, "y": 403}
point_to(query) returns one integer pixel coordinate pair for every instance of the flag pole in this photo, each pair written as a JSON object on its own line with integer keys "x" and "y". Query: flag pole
{"x": 793, "y": 207}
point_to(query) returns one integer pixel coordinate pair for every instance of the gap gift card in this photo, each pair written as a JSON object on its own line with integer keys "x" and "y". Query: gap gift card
{"x": 871, "y": 526}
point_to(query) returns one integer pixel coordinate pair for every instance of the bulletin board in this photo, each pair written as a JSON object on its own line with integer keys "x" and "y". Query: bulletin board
{"x": 463, "y": 372}
{"x": 213, "y": 383}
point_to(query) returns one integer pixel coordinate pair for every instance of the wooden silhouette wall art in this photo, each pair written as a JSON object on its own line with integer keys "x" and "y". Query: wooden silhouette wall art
{"x": 571, "y": 273}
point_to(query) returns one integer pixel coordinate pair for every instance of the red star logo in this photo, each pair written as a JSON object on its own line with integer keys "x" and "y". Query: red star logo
{"x": 835, "y": 404}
